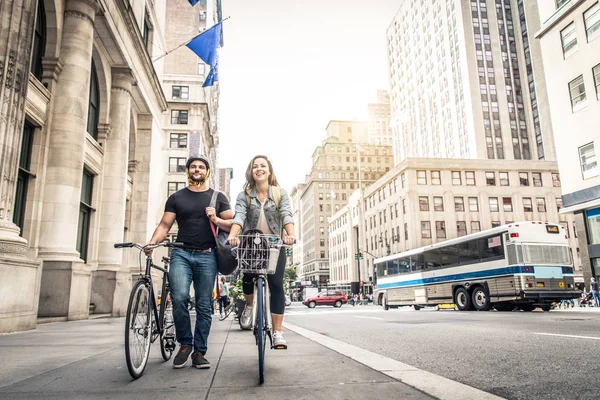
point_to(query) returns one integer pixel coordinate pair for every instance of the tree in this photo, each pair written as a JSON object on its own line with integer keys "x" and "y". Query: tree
{"x": 290, "y": 274}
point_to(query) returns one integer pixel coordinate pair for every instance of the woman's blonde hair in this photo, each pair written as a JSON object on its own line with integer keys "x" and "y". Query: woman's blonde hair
{"x": 250, "y": 182}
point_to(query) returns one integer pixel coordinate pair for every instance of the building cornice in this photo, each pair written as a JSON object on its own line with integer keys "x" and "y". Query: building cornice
{"x": 558, "y": 16}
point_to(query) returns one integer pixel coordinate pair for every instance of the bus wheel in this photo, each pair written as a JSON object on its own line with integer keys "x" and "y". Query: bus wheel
{"x": 384, "y": 303}
{"x": 417, "y": 308}
{"x": 481, "y": 300}
{"x": 462, "y": 299}
{"x": 546, "y": 307}
{"x": 504, "y": 306}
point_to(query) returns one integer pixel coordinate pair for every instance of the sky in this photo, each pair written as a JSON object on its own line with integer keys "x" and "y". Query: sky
{"x": 289, "y": 67}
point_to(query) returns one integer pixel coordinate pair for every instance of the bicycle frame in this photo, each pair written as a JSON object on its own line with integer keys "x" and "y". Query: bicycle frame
{"x": 267, "y": 308}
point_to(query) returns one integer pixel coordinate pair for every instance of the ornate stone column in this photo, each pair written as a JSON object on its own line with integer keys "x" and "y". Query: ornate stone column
{"x": 66, "y": 281}
{"x": 19, "y": 276}
{"x": 111, "y": 283}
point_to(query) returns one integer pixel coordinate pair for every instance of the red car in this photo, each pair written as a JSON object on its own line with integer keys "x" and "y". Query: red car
{"x": 329, "y": 298}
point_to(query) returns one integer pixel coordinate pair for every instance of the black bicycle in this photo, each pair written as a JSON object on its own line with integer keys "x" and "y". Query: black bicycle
{"x": 148, "y": 319}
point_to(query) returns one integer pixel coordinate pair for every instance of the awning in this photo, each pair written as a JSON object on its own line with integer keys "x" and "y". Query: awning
{"x": 580, "y": 206}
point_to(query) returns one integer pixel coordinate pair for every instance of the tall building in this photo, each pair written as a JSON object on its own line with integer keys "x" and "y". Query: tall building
{"x": 570, "y": 42}
{"x": 425, "y": 201}
{"x": 462, "y": 81}
{"x": 379, "y": 130}
{"x": 82, "y": 153}
{"x": 225, "y": 177}
{"x": 337, "y": 168}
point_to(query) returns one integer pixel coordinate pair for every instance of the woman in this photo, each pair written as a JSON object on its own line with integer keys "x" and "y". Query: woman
{"x": 256, "y": 208}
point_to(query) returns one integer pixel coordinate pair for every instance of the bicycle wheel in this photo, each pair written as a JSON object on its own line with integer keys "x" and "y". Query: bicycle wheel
{"x": 260, "y": 330}
{"x": 167, "y": 338}
{"x": 138, "y": 329}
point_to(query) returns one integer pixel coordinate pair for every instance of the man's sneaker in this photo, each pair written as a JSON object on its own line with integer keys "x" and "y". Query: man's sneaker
{"x": 279, "y": 341}
{"x": 182, "y": 356}
{"x": 246, "y": 318}
{"x": 199, "y": 361}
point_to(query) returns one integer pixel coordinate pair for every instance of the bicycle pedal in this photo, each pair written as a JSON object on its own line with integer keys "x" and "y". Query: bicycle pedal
{"x": 279, "y": 347}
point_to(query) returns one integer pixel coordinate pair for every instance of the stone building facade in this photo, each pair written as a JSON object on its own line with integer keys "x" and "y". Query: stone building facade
{"x": 425, "y": 201}
{"x": 81, "y": 132}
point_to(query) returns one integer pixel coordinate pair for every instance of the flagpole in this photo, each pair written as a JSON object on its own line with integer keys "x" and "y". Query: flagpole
{"x": 183, "y": 44}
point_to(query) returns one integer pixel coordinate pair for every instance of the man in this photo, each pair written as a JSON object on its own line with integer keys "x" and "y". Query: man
{"x": 196, "y": 262}
{"x": 594, "y": 289}
{"x": 223, "y": 295}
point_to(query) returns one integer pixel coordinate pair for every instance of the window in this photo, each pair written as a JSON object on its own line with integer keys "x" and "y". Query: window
{"x": 456, "y": 178}
{"x": 421, "y": 178}
{"x": 425, "y": 230}
{"x": 490, "y": 179}
{"x": 146, "y": 33}
{"x": 94, "y": 104}
{"x": 555, "y": 180}
{"x": 177, "y": 164}
{"x": 201, "y": 68}
{"x": 459, "y": 204}
{"x": 178, "y": 141}
{"x": 461, "y": 228}
{"x": 173, "y": 187}
{"x": 527, "y": 206}
{"x": 503, "y": 178}
{"x": 23, "y": 175}
{"x": 436, "y": 178}
{"x": 405, "y": 231}
{"x": 180, "y": 92}
{"x": 423, "y": 203}
{"x": 537, "y": 179}
{"x": 507, "y": 204}
{"x": 440, "y": 229}
{"x": 475, "y": 226}
{"x": 568, "y": 37}
{"x": 577, "y": 93}
{"x": 39, "y": 42}
{"x": 592, "y": 21}
{"x": 493, "y": 204}
{"x": 496, "y": 224}
{"x": 85, "y": 211}
{"x": 560, "y": 3}
{"x": 321, "y": 219}
{"x": 403, "y": 179}
{"x": 322, "y": 242}
{"x": 587, "y": 158}
{"x": 524, "y": 178}
{"x": 541, "y": 204}
{"x": 473, "y": 205}
{"x": 322, "y": 254}
{"x": 403, "y": 206}
{"x": 559, "y": 203}
{"x": 596, "y": 73}
{"x": 179, "y": 117}
{"x": 470, "y": 178}
{"x": 438, "y": 203}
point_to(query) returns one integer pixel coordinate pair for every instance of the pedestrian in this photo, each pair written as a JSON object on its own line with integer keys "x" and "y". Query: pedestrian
{"x": 594, "y": 290}
{"x": 196, "y": 262}
{"x": 354, "y": 297}
{"x": 223, "y": 295}
{"x": 263, "y": 205}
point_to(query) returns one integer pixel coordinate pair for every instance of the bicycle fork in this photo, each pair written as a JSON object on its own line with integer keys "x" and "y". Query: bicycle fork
{"x": 267, "y": 306}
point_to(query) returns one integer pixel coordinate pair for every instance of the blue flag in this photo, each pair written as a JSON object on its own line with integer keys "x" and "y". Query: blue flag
{"x": 193, "y": 2}
{"x": 205, "y": 46}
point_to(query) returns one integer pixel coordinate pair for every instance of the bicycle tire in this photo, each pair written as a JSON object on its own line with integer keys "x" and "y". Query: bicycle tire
{"x": 167, "y": 337}
{"x": 260, "y": 330}
{"x": 138, "y": 333}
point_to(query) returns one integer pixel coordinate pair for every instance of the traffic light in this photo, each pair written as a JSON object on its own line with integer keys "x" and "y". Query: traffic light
{"x": 356, "y": 256}
{"x": 360, "y": 256}
{"x": 287, "y": 251}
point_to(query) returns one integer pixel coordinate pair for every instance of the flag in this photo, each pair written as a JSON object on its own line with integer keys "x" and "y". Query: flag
{"x": 332, "y": 195}
{"x": 359, "y": 148}
{"x": 205, "y": 46}
{"x": 193, "y": 2}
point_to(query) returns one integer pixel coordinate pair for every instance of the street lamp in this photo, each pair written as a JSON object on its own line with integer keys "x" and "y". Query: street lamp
{"x": 361, "y": 201}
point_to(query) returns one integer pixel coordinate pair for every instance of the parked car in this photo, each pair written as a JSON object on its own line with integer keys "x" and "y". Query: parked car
{"x": 328, "y": 298}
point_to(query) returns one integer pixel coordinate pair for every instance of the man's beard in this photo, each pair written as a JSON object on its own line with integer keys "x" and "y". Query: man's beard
{"x": 198, "y": 180}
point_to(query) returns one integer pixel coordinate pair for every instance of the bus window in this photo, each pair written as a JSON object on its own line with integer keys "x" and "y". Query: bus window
{"x": 381, "y": 270}
{"x": 431, "y": 259}
{"x": 404, "y": 265}
{"x": 491, "y": 247}
{"x": 417, "y": 262}
{"x": 392, "y": 267}
{"x": 449, "y": 256}
{"x": 468, "y": 252}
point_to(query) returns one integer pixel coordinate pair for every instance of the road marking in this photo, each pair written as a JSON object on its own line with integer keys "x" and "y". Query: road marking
{"x": 360, "y": 316}
{"x": 432, "y": 384}
{"x": 569, "y": 336}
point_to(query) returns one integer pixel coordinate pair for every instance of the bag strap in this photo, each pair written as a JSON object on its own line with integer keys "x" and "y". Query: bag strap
{"x": 213, "y": 203}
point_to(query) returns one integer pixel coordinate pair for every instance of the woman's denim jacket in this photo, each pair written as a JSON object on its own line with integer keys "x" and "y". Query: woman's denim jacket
{"x": 247, "y": 217}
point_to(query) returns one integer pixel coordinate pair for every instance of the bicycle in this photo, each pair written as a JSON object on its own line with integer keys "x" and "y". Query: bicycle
{"x": 258, "y": 253}
{"x": 144, "y": 322}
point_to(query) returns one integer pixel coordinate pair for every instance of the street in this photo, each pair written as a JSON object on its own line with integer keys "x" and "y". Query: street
{"x": 515, "y": 355}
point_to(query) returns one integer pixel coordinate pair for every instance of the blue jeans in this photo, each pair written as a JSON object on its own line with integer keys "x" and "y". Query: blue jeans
{"x": 201, "y": 269}
{"x": 596, "y": 298}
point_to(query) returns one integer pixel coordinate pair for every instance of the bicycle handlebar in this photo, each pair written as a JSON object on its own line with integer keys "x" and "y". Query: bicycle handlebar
{"x": 148, "y": 246}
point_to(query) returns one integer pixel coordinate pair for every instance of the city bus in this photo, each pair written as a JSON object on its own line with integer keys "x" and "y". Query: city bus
{"x": 523, "y": 264}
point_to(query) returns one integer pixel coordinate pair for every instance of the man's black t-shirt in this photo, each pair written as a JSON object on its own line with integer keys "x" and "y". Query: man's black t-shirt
{"x": 190, "y": 213}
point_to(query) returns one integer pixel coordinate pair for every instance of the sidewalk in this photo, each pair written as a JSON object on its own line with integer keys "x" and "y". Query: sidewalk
{"x": 85, "y": 360}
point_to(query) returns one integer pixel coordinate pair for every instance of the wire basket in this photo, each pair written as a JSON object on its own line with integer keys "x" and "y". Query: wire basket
{"x": 258, "y": 253}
